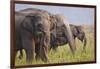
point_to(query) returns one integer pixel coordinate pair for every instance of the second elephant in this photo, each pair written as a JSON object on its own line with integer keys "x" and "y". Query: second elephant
{"x": 61, "y": 33}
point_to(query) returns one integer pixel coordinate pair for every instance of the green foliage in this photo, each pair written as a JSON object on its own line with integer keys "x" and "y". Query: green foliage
{"x": 64, "y": 55}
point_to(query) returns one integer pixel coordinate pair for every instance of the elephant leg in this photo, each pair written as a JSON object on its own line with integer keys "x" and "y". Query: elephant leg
{"x": 19, "y": 46}
{"x": 41, "y": 53}
{"x": 85, "y": 42}
{"x": 33, "y": 46}
{"x": 54, "y": 47}
{"x": 72, "y": 46}
{"x": 38, "y": 51}
{"x": 83, "y": 39}
{"x": 29, "y": 56}
{"x": 71, "y": 41}
{"x": 21, "y": 54}
{"x": 53, "y": 43}
{"x": 27, "y": 45}
{"x": 37, "y": 57}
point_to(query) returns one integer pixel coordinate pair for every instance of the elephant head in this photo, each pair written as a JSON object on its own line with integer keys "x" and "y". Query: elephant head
{"x": 79, "y": 33}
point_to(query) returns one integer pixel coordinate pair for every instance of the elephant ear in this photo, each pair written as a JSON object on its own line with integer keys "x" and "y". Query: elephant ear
{"x": 26, "y": 24}
{"x": 79, "y": 29}
{"x": 52, "y": 22}
{"x": 74, "y": 30}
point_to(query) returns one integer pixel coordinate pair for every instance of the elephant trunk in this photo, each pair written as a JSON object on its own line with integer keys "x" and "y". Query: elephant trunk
{"x": 43, "y": 47}
{"x": 70, "y": 38}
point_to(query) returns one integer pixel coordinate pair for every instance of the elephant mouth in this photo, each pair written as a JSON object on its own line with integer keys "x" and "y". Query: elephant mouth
{"x": 39, "y": 37}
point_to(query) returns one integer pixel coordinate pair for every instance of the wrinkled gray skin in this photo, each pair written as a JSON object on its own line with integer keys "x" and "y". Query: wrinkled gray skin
{"x": 32, "y": 35}
{"x": 58, "y": 38}
{"x": 61, "y": 33}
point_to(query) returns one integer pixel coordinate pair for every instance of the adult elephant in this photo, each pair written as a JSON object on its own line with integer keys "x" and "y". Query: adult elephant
{"x": 58, "y": 38}
{"x": 61, "y": 33}
{"x": 32, "y": 34}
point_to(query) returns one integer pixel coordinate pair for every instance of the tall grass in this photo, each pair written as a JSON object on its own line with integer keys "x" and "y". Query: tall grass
{"x": 64, "y": 55}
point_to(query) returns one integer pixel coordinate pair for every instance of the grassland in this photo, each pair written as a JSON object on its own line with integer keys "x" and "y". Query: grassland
{"x": 64, "y": 55}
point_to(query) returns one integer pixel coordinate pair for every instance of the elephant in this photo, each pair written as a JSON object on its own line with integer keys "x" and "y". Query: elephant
{"x": 61, "y": 33}
{"x": 58, "y": 38}
{"x": 32, "y": 34}
{"x": 78, "y": 32}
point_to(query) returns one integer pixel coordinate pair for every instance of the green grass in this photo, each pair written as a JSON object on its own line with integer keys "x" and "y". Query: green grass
{"x": 64, "y": 55}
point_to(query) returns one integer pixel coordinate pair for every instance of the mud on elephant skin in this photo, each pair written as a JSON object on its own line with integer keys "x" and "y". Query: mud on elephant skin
{"x": 29, "y": 25}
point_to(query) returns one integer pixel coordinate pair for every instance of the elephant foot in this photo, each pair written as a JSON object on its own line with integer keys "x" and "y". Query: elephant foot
{"x": 21, "y": 54}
